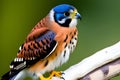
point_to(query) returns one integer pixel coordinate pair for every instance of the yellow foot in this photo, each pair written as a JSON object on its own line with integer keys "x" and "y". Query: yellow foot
{"x": 56, "y": 74}
{"x": 53, "y": 74}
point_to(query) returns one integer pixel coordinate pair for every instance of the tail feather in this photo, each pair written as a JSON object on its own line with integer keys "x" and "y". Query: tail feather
{"x": 9, "y": 75}
{"x": 5, "y": 76}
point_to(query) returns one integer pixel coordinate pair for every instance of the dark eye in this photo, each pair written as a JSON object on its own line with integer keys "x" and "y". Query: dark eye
{"x": 66, "y": 13}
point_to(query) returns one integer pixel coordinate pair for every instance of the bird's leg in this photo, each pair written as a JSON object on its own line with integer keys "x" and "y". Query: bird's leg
{"x": 56, "y": 74}
{"x": 53, "y": 74}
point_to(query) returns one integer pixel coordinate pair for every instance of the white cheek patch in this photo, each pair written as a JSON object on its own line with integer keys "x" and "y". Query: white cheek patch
{"x": 73, "y": 23}
{"x": 62, "y": 21}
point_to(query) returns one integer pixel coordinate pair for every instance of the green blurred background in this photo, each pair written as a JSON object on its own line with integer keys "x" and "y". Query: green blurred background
{"x": 99, "y": 28}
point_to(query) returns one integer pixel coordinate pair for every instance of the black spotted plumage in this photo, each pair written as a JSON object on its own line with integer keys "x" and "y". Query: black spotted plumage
{"x": 66, "y": 38}
{"x": 36, "y": 50}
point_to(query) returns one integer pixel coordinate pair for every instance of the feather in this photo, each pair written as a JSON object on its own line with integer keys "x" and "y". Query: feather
{"x": 10, "y": 75}
{"x": 33, "y": 51}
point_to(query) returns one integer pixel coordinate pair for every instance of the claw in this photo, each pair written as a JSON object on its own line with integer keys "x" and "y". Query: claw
{"x": 56, "y": 73}
{"x": 62, "y": 73}
{"x": 62, "y": 78}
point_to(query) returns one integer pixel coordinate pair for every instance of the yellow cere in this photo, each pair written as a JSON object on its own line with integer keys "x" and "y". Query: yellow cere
{"x": 72, "y": 15}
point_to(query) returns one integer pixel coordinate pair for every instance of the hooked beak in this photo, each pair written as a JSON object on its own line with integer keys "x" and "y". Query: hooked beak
{"x": 78, "y": 16}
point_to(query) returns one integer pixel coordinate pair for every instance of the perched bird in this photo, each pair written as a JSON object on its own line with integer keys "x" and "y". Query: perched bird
{"x": 47, "y": 46}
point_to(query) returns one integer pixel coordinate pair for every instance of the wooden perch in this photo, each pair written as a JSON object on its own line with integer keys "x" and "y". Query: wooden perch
{"x": 102, "y": 65}
{"x": 105, "y": 72}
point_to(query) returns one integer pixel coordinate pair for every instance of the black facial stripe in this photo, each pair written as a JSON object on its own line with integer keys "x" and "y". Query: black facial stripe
{"x": 66, "y": 24}
{"x": 55, "y": 18}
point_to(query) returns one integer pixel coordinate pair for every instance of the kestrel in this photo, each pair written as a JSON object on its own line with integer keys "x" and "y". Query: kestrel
{"x": 47, "y": 46}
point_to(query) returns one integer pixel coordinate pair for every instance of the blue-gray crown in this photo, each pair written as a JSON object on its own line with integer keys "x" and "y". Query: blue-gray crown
{"x": 63, "y": 8}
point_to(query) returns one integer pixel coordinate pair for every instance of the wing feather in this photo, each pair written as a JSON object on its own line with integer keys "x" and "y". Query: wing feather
{"x": 36, "y": 47}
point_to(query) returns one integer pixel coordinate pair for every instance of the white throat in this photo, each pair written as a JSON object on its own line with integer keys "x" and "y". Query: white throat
{"x": 73, "y": 23}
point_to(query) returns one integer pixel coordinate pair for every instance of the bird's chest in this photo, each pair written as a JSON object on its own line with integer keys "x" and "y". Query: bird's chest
{"x": 66, "y": 45}
{"x": 63, "y": 56}
{"x": 65, "y": 53}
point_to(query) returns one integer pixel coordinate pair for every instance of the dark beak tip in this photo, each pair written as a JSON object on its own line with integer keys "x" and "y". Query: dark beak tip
{"x": 79, "y": 16}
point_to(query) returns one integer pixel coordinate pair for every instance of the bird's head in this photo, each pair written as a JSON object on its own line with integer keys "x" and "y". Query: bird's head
{"x": 65, "y": 15}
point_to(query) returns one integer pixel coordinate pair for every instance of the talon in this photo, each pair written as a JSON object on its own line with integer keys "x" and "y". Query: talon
{"x": 56, "y": 73}
{"x": 62, "y": 78}
{"x": 62, "y": 73}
